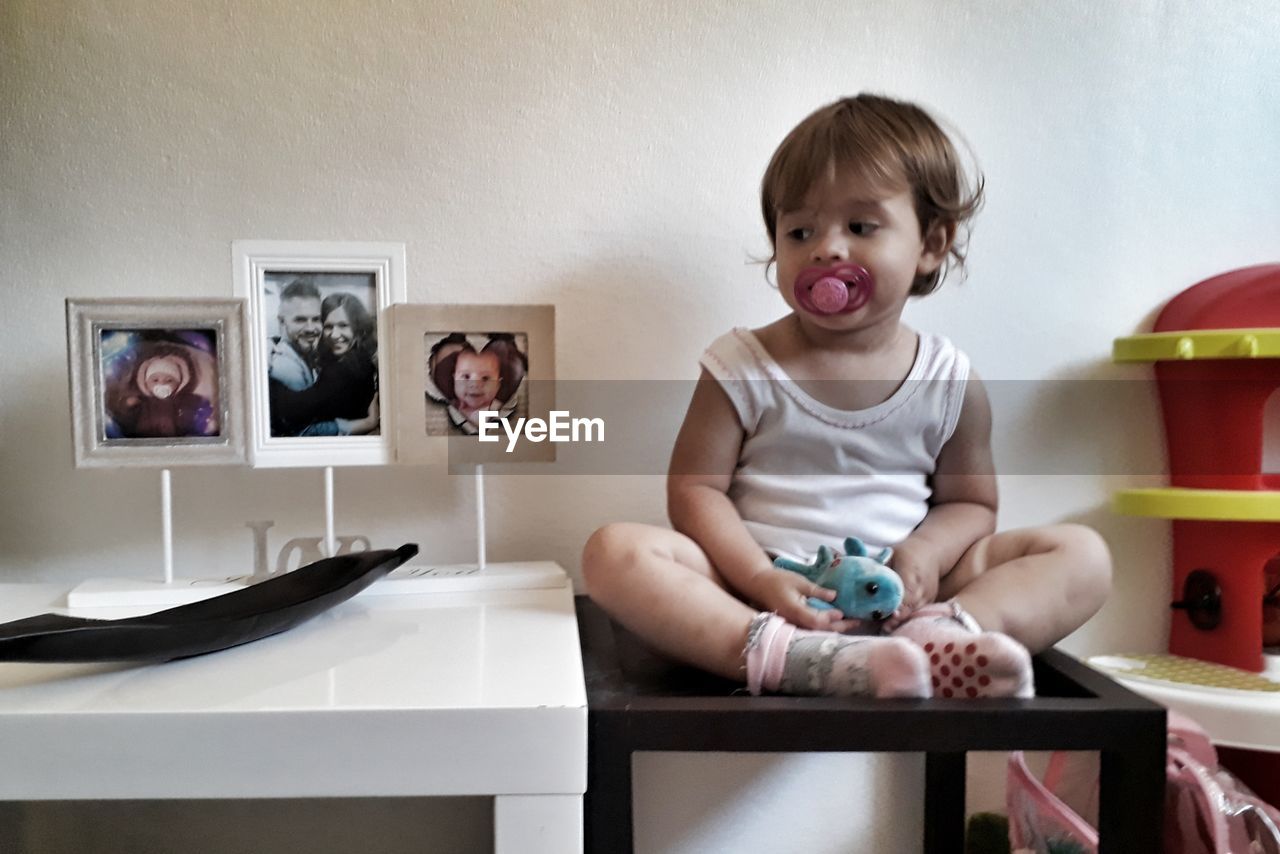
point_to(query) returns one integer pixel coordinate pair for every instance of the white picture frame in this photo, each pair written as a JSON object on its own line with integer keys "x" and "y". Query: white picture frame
{"x": 311, "y": 432}
{"x": 156, "y": 383}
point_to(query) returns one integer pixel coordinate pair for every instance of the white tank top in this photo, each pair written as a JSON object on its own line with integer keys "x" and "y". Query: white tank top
{"x": 811, "y": 475}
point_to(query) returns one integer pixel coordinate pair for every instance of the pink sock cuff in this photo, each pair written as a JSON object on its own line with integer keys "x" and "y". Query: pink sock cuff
{"x": 768, "y": 638}
{"x": 776, "y": 660}
{"x": 951, "y": 608}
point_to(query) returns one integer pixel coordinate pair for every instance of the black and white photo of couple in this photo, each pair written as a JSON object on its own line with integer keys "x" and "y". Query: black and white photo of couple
{"x": 322, "y": 360}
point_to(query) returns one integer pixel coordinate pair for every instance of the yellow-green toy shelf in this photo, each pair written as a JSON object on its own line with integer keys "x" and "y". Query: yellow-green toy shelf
{"x": 1228, "y": 505}
{"x": 1199, "y": 344}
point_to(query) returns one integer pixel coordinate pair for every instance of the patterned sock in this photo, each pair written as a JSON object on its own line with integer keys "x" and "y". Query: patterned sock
{"x": 785, "y": 659}
{"x": 965, "y": 661}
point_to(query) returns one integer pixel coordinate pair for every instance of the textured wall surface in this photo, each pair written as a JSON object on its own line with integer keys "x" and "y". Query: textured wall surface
{"x": 605, "y": 157}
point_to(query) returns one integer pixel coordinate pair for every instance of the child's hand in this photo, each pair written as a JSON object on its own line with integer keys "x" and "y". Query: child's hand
{"x": 918, "y": 564}
{"x": 786, "y": 592}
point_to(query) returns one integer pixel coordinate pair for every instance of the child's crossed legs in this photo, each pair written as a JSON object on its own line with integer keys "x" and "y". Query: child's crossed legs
{"x": 1036, "y": 585}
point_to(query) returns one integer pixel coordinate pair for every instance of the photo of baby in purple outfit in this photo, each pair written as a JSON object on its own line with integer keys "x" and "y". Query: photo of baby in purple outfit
{"x": 159, "y": 383}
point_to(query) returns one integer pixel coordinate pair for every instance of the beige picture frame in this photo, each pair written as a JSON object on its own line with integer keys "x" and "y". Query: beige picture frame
{"x": 116, "y": 422}
{"x": 431, "y": 420}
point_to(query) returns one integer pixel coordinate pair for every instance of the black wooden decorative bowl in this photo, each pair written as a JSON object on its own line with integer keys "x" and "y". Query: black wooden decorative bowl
{"x": 267, "y": 608}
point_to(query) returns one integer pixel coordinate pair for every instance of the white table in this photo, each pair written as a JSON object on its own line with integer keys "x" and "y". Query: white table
{"x": 463, "y": 693}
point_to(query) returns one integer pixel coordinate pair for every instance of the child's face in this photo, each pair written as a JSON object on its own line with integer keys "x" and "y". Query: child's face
{"x": 162, "y": 376}
{"x": 475, "y": 380}
{"x": 846, "y": 220}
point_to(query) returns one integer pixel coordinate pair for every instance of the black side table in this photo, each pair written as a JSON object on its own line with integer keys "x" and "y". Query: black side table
{"x": 639, "y": 701}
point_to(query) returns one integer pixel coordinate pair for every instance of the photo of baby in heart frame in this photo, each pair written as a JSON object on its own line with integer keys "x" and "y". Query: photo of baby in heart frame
{"x": 471, "y": 373}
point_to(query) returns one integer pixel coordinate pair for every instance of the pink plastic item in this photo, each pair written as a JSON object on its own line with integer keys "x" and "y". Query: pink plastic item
{"x": 1037, "y": 817}
{"x": 825, "y": 291}
{"x": 1207, "y": 809}
{"x": 829, "y": 294}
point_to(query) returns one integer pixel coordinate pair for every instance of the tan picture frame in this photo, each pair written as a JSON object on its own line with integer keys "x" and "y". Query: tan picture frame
{"x": 417, "y": 328}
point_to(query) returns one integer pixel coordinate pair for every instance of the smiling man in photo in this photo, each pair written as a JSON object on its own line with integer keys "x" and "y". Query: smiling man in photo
{"x": 291, "y": 362}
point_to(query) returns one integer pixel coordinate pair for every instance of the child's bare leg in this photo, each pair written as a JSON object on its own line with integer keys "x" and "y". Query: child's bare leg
{"x": 660, "y": 585}
{"x": 1036, "y": 585}
{"x": 1011, "y": 593}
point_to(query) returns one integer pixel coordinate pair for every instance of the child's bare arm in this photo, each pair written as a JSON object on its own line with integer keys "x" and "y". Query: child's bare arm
{"x": 962, "y": 508}
{"x": 702, "y": 464}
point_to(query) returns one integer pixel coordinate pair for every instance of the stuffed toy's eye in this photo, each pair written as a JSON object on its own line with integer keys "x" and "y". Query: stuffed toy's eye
{"x": 872, "y": 588}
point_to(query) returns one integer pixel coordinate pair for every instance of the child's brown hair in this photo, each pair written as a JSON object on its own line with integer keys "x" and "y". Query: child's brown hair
{"x": 893, "y": 145}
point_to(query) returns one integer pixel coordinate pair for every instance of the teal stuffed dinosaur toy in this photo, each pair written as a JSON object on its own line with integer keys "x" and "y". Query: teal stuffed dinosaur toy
{"x": 866, "y": 589}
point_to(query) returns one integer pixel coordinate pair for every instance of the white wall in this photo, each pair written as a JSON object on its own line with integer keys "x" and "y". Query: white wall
{"x": 605, "y": 157}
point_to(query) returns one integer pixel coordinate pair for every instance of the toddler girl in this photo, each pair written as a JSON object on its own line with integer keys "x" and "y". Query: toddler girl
{"x": 839, "y": 420}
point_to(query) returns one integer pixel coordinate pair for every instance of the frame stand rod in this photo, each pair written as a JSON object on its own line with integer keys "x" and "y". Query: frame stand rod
{"x": 330, "y": 543}
{"x": 480, "y": 516}
{"x": 166, "y": 523}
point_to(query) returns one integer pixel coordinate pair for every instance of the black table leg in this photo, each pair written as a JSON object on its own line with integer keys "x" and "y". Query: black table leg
{"x": 1131, "y": 800}
{"x": 607, "y": 803}
{"x": 944, "y": 803}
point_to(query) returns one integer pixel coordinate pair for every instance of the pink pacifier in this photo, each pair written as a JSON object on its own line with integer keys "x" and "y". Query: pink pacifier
{"x": 842, "y": 289}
